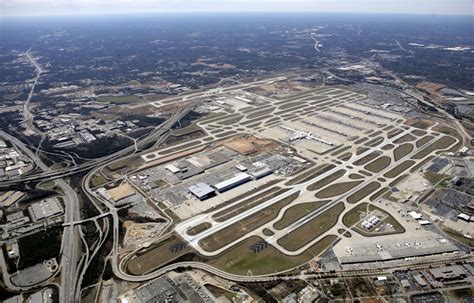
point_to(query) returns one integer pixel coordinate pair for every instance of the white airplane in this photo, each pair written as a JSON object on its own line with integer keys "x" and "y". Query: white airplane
{"x": 379, "y": 246}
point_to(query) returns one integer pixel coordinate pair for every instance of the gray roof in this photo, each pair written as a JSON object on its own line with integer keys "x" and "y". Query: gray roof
{"x": 200, "y": 189}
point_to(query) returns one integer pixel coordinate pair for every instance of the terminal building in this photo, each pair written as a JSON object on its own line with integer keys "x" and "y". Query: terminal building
{"x": 235, "y": 181}
{"x": 202, "y": 191}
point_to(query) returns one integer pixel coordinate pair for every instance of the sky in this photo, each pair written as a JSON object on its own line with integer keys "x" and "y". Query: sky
{"x": 72, "y": 7}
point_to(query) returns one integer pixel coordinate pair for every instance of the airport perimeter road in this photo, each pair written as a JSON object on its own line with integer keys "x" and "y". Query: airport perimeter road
{"x": 69, "y": 245}
{"x": 159, "y": 136}
{"x": 282, "y": 276}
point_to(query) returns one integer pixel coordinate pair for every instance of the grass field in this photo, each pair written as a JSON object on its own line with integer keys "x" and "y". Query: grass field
{"x": 198, "y": 228}
{"x": 340, "y": 150}
{"x": 378, "y": 165}
{"x": 397, "y": 180}
{"x": 337, "y": 189}
{"x": 325, "y": 181}
{"x": 120, "y": 99}
{"x": 374, "y": 142}
{"x": 244, "y": 226}
{"x": 267, "y": 232}
{"x": 440, "y": 144}
{"x": 368, "y": 158}
{"x": 378, "y": 194}
{"x": 260, "y": 113}
{"x": 248, "y": 204}
{"x": 418, "y": 132}
{"x": 361, "y": 140}
{"x": 240, "y": 259}
{"x": 387, "y": 147}
{"x": 423, "y": 141}
{"x": 394, "y": 132}
{"x": 311, "y": 230}
{"x": 355, "y": 176}
{"x": 297, "y": 212}
{"x": 125, "y": 163}
{"x": 358, "y": 212}
{"x": 98, "y": 180}
{"x": 400, "y": 168}
{"x": 363, "y": 192}
{"x": 405, "y": 138}
{"x": 354, "y": 215}
{"x": 156, "y": 256}
{"x": 310, "y": 174}
{"x": 434, "y": 178}
{"x": 246, "y": 194}
{"x": 345, "y": 156}
{"x": 402, "y": 150}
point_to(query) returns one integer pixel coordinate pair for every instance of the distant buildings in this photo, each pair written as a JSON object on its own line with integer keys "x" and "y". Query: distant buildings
{"x": 12, "y": 163}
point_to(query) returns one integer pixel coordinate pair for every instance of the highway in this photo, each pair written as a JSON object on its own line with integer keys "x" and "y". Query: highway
{"x": 69, "y": 244}
{"x": 316, "y": 43}
{"x": 70, "y": 277}
{"x": 160, "y": 135}
{"x": 416, "y": 264}
{"x": 27, "y": 115}
{"x": 156, "y": 134}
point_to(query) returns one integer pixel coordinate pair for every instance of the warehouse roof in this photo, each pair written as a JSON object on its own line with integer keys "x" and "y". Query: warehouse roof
{"x": 241, "y": 177}
{"x": 200, "y": 189}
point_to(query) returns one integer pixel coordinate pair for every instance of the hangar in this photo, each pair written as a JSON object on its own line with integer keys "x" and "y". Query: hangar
{"x": 202, "y": 191}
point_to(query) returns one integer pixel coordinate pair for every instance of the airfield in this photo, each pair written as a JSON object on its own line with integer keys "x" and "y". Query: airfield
{"x": 331, "y": 154}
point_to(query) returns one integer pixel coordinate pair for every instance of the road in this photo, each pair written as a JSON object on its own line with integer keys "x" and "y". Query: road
{"x": 160, "y": 136}
{"x": 27, "y": 115}
{"x": 156, "y": 134}
{"x": 316, "y": 43}
{"x": 69, "y": 244}
{"x": 466, "y": 137}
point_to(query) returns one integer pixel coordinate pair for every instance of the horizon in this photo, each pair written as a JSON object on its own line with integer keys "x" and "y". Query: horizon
{"x": 40, "y": 8}
{"x": 203, "y": 13}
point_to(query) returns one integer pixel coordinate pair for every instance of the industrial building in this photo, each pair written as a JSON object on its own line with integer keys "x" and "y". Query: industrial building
{"x": 448, "y": 273}
{"x": 237, "y": 180}
{"x": 262, "y": 173}
{"x": 202, "y": 191}
{"x": 45, "y": 209}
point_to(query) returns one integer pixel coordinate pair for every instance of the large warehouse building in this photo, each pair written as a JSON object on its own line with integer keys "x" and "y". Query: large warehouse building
{"x": 202, "y": 191}
{"x": 237, "y": 180}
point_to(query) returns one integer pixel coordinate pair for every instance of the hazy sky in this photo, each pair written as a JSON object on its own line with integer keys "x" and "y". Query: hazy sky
{"x": 61, "y": 7}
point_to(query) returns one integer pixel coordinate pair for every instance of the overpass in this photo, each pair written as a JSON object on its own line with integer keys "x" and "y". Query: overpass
{"x": 159, "y": 132}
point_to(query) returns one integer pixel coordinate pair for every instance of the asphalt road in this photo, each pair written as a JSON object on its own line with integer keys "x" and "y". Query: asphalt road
{"x": 69, "y": 246}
